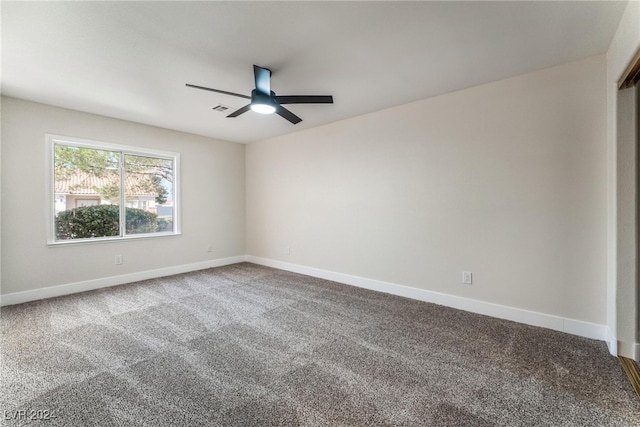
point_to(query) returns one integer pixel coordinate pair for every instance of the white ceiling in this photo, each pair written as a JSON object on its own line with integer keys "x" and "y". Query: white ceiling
{"x": 131, "y": 60}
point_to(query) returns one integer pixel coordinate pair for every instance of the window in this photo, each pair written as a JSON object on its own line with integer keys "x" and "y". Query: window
{"x": 101, "y": 191}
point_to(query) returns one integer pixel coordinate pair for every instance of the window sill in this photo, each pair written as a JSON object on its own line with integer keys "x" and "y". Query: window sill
{"x": 110, "y": 239}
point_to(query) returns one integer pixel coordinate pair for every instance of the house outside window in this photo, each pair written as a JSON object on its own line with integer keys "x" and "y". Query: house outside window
{"x": 102, "y": 191}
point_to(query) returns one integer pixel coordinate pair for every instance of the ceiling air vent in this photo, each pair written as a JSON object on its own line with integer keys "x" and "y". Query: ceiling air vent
{"x": 221, "y": 108}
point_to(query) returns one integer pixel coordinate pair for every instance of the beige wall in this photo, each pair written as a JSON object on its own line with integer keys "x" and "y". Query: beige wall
{"x": 212, "y": 184}
{"x": 506, "y": 180}
{"x": 622, "y": 280}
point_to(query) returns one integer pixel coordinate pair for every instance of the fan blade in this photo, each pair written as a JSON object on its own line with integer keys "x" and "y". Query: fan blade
{"x": 218, "y": 91}
{"x": 304, "y": 99}
{"x": 283, "y": 112}
{"x": 263, "y": 79}
{"x": 240, "y": 111}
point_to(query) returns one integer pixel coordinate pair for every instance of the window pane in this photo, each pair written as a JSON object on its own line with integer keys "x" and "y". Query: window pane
{"x": 149, "y": 194}
{"x": 86, "y": 192}
{"x": 103, "y": 191}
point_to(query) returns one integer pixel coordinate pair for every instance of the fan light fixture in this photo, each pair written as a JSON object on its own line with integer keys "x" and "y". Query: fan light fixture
{"x": 263, "y": 108}
{"x": 262, "y": 102}
{"x": 265, "y": 101}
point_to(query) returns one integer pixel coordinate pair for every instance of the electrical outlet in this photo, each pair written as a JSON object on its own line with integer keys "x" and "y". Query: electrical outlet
{"x": 209, "y": 248}
{"x": 467, "y": 278}
{"x": 117, "y": 260}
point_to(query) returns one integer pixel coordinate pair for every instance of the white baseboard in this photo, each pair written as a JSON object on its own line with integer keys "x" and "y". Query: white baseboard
{"x": 571, "y": 326}
{"x": 612, "y": 343}
{"x": 88, "y": 285}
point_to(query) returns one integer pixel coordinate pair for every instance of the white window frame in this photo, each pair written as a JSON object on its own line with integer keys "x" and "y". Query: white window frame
{"x": 52, "y": 140}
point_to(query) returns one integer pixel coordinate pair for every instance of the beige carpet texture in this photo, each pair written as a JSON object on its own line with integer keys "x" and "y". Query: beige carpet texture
{"x": 246, "y": 345}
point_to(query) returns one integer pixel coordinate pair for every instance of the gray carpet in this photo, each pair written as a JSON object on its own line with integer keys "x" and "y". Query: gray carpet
{"x": 245, "y": 345}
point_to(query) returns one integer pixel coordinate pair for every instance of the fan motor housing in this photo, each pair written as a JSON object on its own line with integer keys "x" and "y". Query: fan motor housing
{"x": 262, "y": 98}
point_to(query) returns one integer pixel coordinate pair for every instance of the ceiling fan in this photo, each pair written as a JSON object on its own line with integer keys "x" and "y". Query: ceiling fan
{"x": 265, "y": 101}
